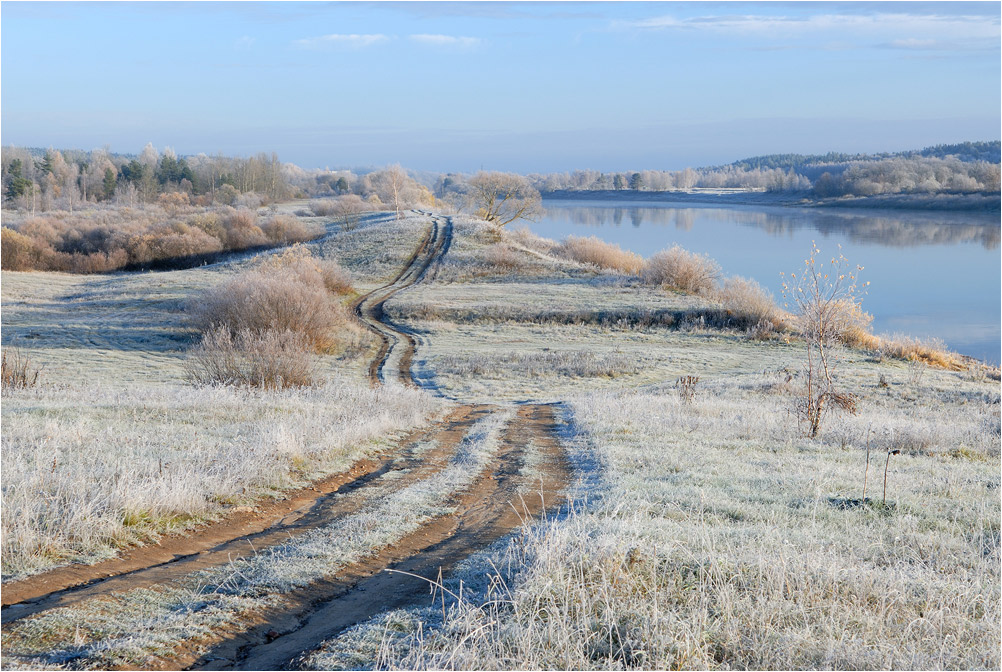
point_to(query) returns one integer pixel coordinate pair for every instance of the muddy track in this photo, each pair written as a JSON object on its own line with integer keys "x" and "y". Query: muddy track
{"x": 500, "y": 500}
{"x": 272, "y": 524}
{"x": 268, "y": 522}
{"x": 396, "y": 344}
{"x": 526, "y": 478}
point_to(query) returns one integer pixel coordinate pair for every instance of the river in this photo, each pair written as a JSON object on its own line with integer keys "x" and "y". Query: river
{"x": 933, "y": 275}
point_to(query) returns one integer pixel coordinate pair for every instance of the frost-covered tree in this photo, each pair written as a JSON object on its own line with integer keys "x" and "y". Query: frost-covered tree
{"x": 501, "y": 198}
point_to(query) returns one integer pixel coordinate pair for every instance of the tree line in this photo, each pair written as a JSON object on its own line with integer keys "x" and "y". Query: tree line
{"x": 970, "y": 167}
{"x": 39, "y": 181}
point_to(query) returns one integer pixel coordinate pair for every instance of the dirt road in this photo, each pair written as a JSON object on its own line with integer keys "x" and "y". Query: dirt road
{"x": 502, "y": 494}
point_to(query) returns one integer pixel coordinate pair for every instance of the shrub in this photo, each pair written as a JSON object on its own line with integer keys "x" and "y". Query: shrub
{"x": 109, "y": 239}
{"x": 751, "y": 306}
{"x": 910, "y": 349}
{"x": 289, "y": 292}
{"x": 521, "y": 235}
{"x": 500, "y": 258}
{"x": 323, "y": 207}
{"x": 683, "y": 270}
{"x": 17, "y": 252}
{"x": 242, "y": 230}
{"x": 287, "y": 229}
{"x": 348, "y": 209}
{"x": 269, "y": 359}
{"x": 311, "y": 269}
{"x": 828, "y": 313}
{"x": 596, "y": 252}
{"x": 851, "y": 324}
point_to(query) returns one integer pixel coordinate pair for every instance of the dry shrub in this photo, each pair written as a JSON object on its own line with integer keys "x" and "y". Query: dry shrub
{"x": 683, "y": 270}
{"x": 210, "y": 223}
{"x": 289, "y": 292}
{"x": 591, "y": 250}
{"x": 274, "y": 301}
{"x": 521, "y": 235}
{"x": 242, "y": 230}
{"x": 324, "y": 207}
{"x": 16, "y": 371}
{"x": 851, "y": 325}
{"x": 287, "y": 229}
{"x": 110, "y": 239}
{"x": 348, "y": 209}
{"x": 17, "y": 251}
{"x": 327, "y": 271}
{"x": 269, "y": 359}
{"x": 751, "y": 306}
{"x": 171, "y": 242}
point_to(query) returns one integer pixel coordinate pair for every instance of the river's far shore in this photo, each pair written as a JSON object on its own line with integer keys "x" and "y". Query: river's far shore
{"x": 917, "y": 202}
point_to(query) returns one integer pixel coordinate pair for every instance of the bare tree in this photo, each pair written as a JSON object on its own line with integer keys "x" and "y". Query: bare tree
{"x": 394, "y": 187}
{"x": 827, "y": 307}
{"x": 348, "y": 210}
{"x": 501, "y": 198}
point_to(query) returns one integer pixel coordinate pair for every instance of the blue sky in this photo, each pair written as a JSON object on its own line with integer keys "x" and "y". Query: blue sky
{"x": 528, "y": 87}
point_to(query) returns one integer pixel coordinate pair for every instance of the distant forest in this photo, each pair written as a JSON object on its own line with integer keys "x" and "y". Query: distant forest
{"x": 966, "y": 168}
{"x": 39, "y": 180}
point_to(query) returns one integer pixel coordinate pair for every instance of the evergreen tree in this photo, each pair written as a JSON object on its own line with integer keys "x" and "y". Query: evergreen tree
{"x": 110, "y": 182}
{"x": 18, "y": 186}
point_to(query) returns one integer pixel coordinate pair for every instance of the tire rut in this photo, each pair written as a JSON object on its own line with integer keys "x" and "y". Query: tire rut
{"x": 503, "y": 496}
{"x": 501, "y": 499}
{"x": 326, "y": 505}
{"x": 244, "y": 530}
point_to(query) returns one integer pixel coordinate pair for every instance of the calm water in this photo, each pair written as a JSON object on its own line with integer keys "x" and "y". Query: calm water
{"x": 932, "y": 275}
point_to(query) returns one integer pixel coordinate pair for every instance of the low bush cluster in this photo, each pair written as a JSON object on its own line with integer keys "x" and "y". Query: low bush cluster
{"x": 267, "y": 359}
{"x": 169, "y": 235}
{"x": 264, "y": 326}
{"x": 680, "y": 269}
{"x": 751, "y": 306}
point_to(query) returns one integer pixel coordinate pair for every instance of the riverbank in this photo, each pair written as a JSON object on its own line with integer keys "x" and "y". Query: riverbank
{"x": 700, "y": 517}
{"x": 759, "y": 197}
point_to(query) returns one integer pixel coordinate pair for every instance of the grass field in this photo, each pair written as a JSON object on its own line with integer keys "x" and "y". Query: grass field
{"x": 704, "y": 531}
{"x": 114, "y": 447}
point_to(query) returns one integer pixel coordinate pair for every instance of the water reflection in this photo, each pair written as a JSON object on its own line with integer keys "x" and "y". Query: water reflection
{"x": 934, "y": 275}
{"x": 895, "y": 230}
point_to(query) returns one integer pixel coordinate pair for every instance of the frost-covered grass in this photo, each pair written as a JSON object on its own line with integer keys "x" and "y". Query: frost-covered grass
{"x": 138, "y": 625}
{"x": 377, "y": 250}
{"x": 721, "y": 539}
{"x": 90, "y": 468}
{"x": 113, "y": 447}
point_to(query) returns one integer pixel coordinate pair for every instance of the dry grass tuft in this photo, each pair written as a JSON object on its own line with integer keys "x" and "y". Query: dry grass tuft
{"x": 933, "y": 353}
{"x": 269, "y": 359}
{"x": 591, "y": 250}
{"x": 16, "y": 371}
{"x": 680, "y": 269}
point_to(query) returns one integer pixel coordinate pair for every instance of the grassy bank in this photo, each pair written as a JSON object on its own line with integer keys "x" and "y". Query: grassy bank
{"x": 709, "y": 531}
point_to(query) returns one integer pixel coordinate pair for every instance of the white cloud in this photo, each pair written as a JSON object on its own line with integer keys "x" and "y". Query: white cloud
{"x": 446, "y": 41}
{"x": 341, "y": 40}
{"x": 914, "y": 27}
{"x": 244, "y": 43}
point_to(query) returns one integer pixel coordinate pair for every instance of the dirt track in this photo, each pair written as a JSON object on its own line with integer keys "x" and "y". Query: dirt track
{"x": 497, "y": 502}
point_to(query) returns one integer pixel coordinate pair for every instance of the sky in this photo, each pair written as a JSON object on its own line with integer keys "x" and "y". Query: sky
{"x": 523, "y": 87}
